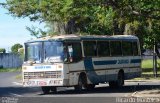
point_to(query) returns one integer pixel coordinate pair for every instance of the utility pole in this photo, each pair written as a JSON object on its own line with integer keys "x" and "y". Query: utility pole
{"x": 154, "y": 60}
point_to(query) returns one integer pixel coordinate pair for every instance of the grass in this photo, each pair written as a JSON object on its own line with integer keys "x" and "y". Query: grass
{"x": 10, "y": 69}
{"x": 150, "y": 72}
{"x": 19, "y": 76}
{"x": 149, "y": 63}
{"x": 147, "y": 66}
{"x": 149, "y": 78}
{"x": 147, "y": 70}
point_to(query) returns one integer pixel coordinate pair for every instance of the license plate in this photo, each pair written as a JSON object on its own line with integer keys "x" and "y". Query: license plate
{"x": 36, "y": 83}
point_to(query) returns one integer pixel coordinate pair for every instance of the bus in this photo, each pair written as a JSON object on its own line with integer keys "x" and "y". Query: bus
{"x": 81, "y": 61}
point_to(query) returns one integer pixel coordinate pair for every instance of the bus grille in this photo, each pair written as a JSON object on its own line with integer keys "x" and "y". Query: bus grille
{"x": 46, "y": 74}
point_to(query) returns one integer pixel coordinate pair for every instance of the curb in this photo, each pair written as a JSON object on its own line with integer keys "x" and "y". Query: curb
{"x": 143, "y": 94}
{"x": 142, "y": 80}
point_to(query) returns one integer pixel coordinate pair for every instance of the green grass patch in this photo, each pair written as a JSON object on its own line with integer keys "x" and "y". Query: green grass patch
{"x": 147, "y": 70}
{"x": 150, "y": 72}
{"x": 147, "y": 78}
{"x": 10, "y": 69}
{"x": 149, "y": 63}
{"x": 147, "y": 66}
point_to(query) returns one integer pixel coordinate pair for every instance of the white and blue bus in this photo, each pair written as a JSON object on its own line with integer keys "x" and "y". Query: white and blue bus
{"x": 81, "y": 61}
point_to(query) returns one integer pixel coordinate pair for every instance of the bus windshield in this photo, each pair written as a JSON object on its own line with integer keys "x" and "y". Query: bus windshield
{"x": 33, "y": 52}
{"x": 47, "y": 51}
{"x": 53, "y": 51}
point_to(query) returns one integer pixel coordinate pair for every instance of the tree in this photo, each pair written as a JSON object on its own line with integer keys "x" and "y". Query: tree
{"x": 68, "y": 16}
{"x": 107, "y": 17}
{"x": 21, "y": 53}
{"x": 15, "y": 48}
{"x": 2, "y": 50}
{"x": 36, "y": 32}
{"x": 71, "y": 14}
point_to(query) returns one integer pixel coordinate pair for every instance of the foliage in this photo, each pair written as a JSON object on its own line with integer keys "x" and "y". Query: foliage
{"x": 2, "y": 50}
{"x": 140, "y": 17}
{"x": 16, "y": 47}
{"x": 36, "y": 32}
{"x": 10, "y": 69}
{"x": 71, "y": 16}
{"x": 21, "y": 53}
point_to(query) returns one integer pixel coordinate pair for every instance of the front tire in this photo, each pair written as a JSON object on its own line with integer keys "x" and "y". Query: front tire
{"x": 79, "y": 87}
{"x": 120, "y": 81}
{"x": 45, "y": 89}
{"x": 53, "y": 89}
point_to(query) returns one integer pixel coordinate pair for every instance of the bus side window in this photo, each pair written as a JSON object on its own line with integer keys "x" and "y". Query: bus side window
{"x": 90, "y": 48}
{"x": 135, "y": 49}
{"x": 127, "y": 48}
{"x": 103, "y": 48}
{"x": 75, "y": 52}
{"x": 116, "y": 49}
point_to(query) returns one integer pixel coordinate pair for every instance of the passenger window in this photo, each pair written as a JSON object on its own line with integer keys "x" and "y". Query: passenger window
{"x": 135, "y": 49}
{"x": 103, "y": 48}
{"x": 90, "y": 48}
{"x": 127, "y": 48}
{"x": 115, "y": 47}
{"x": 74, "y": 52}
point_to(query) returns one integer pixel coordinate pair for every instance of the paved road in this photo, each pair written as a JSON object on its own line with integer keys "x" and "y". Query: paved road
{"x": 10, "y": 86}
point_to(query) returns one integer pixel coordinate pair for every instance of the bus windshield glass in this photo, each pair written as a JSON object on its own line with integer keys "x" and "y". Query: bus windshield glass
{"x": 33, "y": 52}
{"x": 53, "y": 51}
{"x": 47, "y": 51}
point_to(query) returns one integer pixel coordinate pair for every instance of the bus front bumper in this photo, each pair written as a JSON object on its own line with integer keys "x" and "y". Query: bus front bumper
{"x": 45, "y": 82}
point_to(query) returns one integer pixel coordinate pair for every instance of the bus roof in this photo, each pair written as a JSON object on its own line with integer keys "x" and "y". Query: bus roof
{"x": 85, "y": 37}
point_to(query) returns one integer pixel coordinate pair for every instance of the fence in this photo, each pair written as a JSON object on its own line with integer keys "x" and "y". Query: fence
{"x": 10, "y": 60}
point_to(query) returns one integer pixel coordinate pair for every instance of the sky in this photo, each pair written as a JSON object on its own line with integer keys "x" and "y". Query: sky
{"x": 13, "y": 30}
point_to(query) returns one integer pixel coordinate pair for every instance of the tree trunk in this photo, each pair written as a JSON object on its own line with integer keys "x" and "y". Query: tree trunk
{"x": 59, "y": 28}
{"x": 115, "y": 27}
{"x": 118, "y": 29}
{"x": 71, "y": 26}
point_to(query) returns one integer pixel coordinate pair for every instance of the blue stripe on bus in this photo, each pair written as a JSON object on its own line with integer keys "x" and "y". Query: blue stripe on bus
{"x": 94, "y": 77}
{"x": 135, "y": 60}
{"x": 91, "y": 74}
{"x": 108, "y": 62}
{"x": 111, "y": 62}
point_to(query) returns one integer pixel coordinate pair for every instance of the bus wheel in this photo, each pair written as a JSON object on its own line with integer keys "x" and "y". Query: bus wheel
{"x": 119, "y": 82}
{"x": 79, "y": 87}
{"x": 45, "y": 89}
{"x": 53, "y": 89}
{"x": 81, "y": 83}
